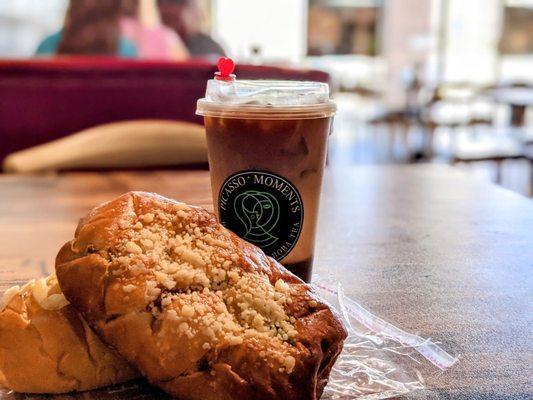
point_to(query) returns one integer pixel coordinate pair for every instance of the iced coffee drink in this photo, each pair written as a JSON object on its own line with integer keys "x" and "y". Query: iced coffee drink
{"x": 267, "y": 149}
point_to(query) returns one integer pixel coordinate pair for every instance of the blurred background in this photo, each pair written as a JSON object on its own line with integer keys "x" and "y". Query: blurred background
{"x": 416, "y": 81}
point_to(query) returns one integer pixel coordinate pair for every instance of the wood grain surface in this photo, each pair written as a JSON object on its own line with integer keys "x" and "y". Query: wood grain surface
{"x": 427, "y": 248}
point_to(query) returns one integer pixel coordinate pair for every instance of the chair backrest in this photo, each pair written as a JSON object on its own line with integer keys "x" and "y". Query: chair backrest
{"x": 43, "y": 100}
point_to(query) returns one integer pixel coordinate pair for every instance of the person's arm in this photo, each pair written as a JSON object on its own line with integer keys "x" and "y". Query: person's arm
{"x": 48, "y": 46}
{"x": 127, "y": 49}
{"x": 178, "y": 50}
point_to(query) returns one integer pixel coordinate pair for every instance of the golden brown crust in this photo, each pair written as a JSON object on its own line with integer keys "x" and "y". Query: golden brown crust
{"x": 53, "y": 350}
{"x": 3, "y": 380}
{"x": 201, "y": 313}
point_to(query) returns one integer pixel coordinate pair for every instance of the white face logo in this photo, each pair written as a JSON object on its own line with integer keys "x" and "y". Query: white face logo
{"x": 259, "y": 213}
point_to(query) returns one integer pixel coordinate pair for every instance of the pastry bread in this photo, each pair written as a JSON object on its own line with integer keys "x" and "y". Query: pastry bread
{"x": 201, "y": 313}
{"x": 3, "y": 380}
{"x": 46, "y": 347}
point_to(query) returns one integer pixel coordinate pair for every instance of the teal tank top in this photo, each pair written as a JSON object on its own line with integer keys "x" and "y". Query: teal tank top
{"x": 49, "y": 45}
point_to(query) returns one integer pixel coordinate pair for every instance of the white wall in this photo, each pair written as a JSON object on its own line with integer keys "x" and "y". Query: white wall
{"x": 474, "y": 28}
{"x": 24, "y": 23}
{"x": 408, "y": 39}
{"x": 277, "y": 26}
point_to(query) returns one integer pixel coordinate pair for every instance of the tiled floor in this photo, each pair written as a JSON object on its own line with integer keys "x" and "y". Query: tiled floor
{"x": 356, "y": 142}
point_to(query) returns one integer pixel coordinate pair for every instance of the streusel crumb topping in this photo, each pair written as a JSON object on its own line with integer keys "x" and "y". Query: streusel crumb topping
{"x": 194, "y": 283}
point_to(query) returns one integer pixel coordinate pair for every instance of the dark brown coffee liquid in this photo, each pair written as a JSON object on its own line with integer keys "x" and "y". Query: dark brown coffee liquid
{"x": 293, "y": 150}
{"x": 302, "y": 270}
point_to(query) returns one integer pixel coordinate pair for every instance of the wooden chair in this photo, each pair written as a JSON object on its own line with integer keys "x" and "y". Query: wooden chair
{"x": 395, "y": 123}
{"x": 454, "y": 114}
{"x": 482, "y": 142}
{"x": 493, "y": 147}
{"x": 527, "y": 140}
{"x": 130, "y": 144}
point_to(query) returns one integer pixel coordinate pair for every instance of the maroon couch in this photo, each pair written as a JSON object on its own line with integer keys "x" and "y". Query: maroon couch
{"x": 42, "y": 100}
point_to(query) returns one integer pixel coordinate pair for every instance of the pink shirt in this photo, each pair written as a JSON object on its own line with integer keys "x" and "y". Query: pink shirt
{"x": 159, "y": 42}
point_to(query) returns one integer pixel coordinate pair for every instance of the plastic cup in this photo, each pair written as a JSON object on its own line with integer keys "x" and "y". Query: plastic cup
{"x": 267, "y": 149}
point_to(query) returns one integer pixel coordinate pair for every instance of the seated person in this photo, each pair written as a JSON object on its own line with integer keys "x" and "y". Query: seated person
{"x": 185, "y": 18}
{"x": 91, "y": 27}
{"x": 153, "y": 40}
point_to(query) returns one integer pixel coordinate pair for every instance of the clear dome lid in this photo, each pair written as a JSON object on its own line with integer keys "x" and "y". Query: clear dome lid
{"x": 266, "y": 99}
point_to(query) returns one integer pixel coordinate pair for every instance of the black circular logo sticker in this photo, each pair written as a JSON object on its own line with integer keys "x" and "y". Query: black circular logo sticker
{"x": 263, "y": 208}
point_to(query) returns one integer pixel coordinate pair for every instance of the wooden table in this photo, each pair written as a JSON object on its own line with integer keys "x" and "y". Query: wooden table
{"x": 426, "y": 248}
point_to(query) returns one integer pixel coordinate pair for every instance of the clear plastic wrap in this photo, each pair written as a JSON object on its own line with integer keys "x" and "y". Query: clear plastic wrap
{"x": 379, "y": 360}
